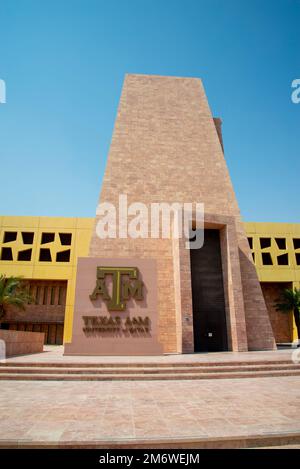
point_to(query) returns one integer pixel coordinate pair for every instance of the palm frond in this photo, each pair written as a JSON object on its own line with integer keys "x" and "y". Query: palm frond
{"x": 289, "y": 300}
{"x": 13, "y": 291}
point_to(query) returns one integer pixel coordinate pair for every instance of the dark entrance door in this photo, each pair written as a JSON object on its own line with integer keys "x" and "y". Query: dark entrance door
{"x": 210, "y": 334}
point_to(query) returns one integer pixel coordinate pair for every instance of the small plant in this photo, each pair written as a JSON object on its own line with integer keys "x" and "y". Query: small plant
{"x": 290, "y": 301}
{"x": 14, "y": 292}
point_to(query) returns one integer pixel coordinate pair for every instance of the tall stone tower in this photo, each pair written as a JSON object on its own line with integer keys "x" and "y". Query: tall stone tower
{"x": 166, "y": 147}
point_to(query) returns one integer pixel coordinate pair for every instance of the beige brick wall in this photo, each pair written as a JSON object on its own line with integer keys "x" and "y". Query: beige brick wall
{"x": 165, "y": 148}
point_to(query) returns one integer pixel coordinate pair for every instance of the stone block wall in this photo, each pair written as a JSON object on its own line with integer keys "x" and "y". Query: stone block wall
{"x": 22, "y": 343}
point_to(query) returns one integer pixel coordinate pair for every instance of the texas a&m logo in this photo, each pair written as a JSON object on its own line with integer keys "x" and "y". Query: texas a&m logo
{"x": 125, "y": 285}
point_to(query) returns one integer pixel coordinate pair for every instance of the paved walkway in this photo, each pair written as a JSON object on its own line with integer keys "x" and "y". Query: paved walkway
{"x": 54, "y": 354}
{"x": 87, "y": 412}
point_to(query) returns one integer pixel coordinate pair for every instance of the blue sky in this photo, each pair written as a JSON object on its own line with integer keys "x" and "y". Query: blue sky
{"x": 64, "y": 63}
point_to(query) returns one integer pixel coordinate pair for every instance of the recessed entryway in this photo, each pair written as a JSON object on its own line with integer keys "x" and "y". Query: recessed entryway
{"x": 209, "y": 318}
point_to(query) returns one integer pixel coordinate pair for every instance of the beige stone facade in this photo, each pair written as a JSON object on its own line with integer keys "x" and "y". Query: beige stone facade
{"x": 166, "y": 147}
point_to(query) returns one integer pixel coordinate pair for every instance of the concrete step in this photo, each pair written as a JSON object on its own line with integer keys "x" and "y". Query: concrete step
{"x": 144, "y": 376}
{"x": 133, "y": 364}
{"x": 144, "y": 370}
{"x": 272, "y": 440}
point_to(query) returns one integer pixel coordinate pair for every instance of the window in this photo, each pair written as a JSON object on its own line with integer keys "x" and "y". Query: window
{"x": 281, "y": 243}
{"x": 61, "y": 295}
{"x": 6, "y": 254}
{"x": 47, "y": 238}
{"x": 25, "y": 255}
{"x": 52, "y": 298}
{"x": 266, "y": 258}
{"x": 45, "y": 295}
{"x": 296, "y": 242}
{"x": 4, "y": 326}
{"x": 297, "y": 258}
{"x": 31, "y": 290}
{"x": 63, "y": 256}
{"x": 9, "y": 236}
{"x": 37, "y": 296}
{"x": 265, "y": 243}
{"x": 45, "y": 255}
{"x": 65, "y": 239}
{"x": 250, "y": 241}
{"x": 283, "y": 259}
{"x": 253, "y": 255}
{"x": 27, "y": 237}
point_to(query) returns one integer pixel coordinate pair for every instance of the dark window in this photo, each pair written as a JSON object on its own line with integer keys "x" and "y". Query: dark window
{"x": 52, "y": 299}
{"x": 65, "y": 239}
{"x": 63, "y": 256}
{"x": 45, "y": 255}
{"x": 297, "y": 258}
{"x": 31, "y": 290}
{"x": 266, "y": 258}
{"x": 9, "y": 236}
{"x": 60, "y": 295}
{"x": 296, "y": 242}
{"x": 253, "y": 255}
{"x": 25, "y": 255}
{"x": 27, "y": 237}
{"x": 6, "y": 254}
{"x": 37, "y": 296}
{"x": 47, "y": 238}
{"x": 281, "y": 243}
{"x": 265, "y": 243}
{"x": 283, "y": 259}
{"x": 250, "y": 241}
{"x": 4, "y": 326}
{"x": 45, "y": 296}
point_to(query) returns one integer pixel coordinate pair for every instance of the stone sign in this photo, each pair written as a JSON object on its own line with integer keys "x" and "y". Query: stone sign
{"x": 115, "y": 308}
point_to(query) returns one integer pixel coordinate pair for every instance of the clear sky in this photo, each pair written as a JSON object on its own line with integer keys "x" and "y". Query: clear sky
{"x": 64, "y": 62}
